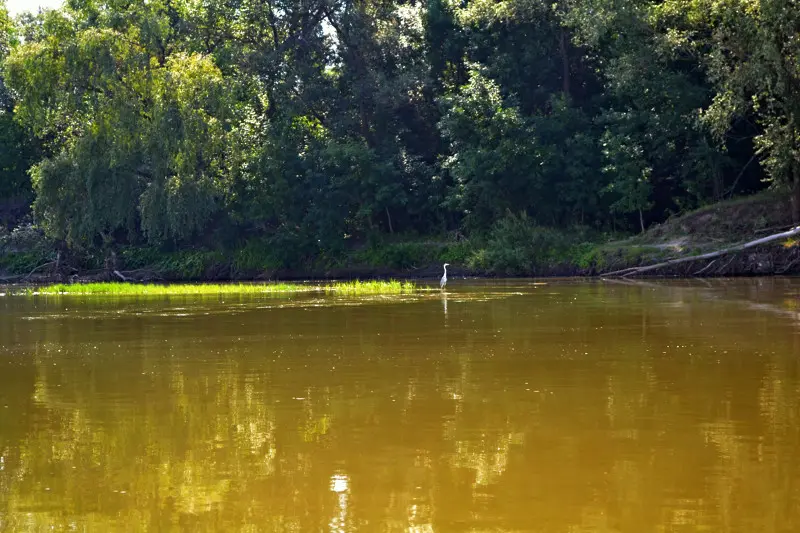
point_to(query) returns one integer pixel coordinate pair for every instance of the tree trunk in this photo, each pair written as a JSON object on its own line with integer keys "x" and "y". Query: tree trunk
{"x": 641, "y": 220}
{"x": 795, "y": 195}
{"x": 711, "y": 255}
{"x": 389, "y": 219}
{"x": 719, "y": 186}
{"x": 564, "y": 62}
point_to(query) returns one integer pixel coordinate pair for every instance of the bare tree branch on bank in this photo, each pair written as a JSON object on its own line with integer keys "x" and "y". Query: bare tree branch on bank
{"x": 711, "y": 255}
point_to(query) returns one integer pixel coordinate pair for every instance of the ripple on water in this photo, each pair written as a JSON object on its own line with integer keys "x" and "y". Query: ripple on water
{"x": 574, "y": 408}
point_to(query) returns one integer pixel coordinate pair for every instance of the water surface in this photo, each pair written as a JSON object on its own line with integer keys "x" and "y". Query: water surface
{"x": 497, "y": 406}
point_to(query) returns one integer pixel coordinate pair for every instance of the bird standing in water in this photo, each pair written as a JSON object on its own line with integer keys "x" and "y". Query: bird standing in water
{"x": 443, "y": 282}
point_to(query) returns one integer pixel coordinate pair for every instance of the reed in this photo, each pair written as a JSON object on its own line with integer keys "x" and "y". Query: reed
{"x": 350, "y": 288}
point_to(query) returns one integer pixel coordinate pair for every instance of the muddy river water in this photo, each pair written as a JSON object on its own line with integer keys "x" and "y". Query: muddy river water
{"x": 502, "y": 406}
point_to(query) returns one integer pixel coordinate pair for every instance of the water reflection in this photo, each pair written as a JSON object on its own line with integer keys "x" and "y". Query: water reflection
{"x": 581, "y": 407}
{"x": 339, "y": 486}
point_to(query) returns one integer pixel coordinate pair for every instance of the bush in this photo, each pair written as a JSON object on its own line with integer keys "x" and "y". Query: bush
{"x": 398, "y": 254}
{"x": 141, "y": 257}
{"x": 255, "y": 257}
{"x": 24, "y": 238}
{"x": 517, "y": 246}
{"x": 21, "y": 262}
{"x": 183, "y": 264}
{"x": 24, "y": 248}
{"x": 457, "y": 253}
{"x": 412, "y": 254}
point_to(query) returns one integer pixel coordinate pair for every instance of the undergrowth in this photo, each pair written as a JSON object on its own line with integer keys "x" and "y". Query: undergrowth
{"x": 517, "y": 246}
{"x": 24, "y": 249}
{"x": 181, "y": 264}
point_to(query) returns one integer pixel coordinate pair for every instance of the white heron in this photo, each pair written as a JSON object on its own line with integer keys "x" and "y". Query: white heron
{"x": 443, "y": 282}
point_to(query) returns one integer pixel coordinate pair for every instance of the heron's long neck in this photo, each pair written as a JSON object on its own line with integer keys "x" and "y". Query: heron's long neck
{"x": 445, "y": 270}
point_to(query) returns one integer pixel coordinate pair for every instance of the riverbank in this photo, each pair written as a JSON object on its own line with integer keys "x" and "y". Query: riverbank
{"x": 515, "y": 247}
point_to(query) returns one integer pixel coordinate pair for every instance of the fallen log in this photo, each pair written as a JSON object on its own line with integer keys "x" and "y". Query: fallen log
{"x": 141, "y": 274}
{"x": 711, "y": 255}
{"x": 39, "y": 267}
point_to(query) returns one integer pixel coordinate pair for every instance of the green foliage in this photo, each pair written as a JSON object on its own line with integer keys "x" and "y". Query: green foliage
{"x": 295, "y": 132}
{"x": 24, "y": 249}
{"x": 22, "y": 238}
{"x": 17, "y": 148}
{"x": 190, "y": 264}
{"x": 752, "y": 52}
{"x": 631, "y": 173}
{"x": 136, "y": 139}
{"x": 411, "y": 254}
{"x": 456, "y": 253}
{"x": 21, "y": 262}
{"x": 494, "y": 161}
{"x": 133, "y": 258}
{"x": 589, "y": 256}
{"x": 256, "y": 257}
{"x": 517, "y": 246}
{"x": 400, "y": 254}
{"x": 180, "y": 264}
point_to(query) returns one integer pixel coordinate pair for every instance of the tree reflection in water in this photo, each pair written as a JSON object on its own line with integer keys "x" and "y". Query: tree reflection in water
{"x": 572, "y": 407}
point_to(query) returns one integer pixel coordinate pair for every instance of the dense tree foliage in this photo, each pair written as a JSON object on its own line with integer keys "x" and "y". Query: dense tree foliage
{"x": 309, "y": 125}
{"x": 17, "y": 149}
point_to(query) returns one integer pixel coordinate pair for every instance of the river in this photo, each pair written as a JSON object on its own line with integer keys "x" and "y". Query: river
{"x": 503, "y": 406}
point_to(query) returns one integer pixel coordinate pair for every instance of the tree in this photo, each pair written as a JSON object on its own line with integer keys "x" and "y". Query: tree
{"x": 753, "y": 58}
{"x": 649, "y": 109}
{"x": 135, "y": 127}
{"x": 494, "y": 160}
{"x": 17, "y": 149}
{"x": 311, "y": 125}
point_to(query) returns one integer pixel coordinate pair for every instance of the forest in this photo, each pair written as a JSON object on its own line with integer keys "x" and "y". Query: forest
{"x": 284, "y": 133}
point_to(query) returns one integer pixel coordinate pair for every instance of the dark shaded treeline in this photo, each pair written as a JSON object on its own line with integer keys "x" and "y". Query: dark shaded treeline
{"x": 302, "y": 127}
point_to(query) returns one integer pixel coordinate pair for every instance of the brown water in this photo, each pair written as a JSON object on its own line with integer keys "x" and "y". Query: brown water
{"x": 507, "y": 406}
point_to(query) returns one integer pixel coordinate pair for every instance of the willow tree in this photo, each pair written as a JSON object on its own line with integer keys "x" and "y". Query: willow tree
{"x": 135, "y": 126}
{"x": 16, "y": 146}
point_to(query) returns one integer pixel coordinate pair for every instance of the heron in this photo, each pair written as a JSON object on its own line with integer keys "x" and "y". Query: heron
{"x": 443, "y": 282}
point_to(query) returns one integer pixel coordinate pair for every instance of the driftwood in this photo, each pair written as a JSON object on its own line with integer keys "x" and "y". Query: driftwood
{"x": 705, "y": 268}
{"x": 139, "y": 274}
{"x": 711, "y": 255}
{"x": 40, "y": 266}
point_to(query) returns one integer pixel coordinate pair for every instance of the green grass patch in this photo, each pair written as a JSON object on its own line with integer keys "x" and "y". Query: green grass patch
{"x": 359, "y": 288}
{"x": 352, "y": 288}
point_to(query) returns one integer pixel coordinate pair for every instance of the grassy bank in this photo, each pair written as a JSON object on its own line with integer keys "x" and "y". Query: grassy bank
{"x": 353, "y": 288}
{"x": 514, "y": 246}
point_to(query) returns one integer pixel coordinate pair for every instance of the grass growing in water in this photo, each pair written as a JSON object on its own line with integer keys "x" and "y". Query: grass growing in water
{"x": 357, "y": 288}
{"x": 352, "y": 288}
